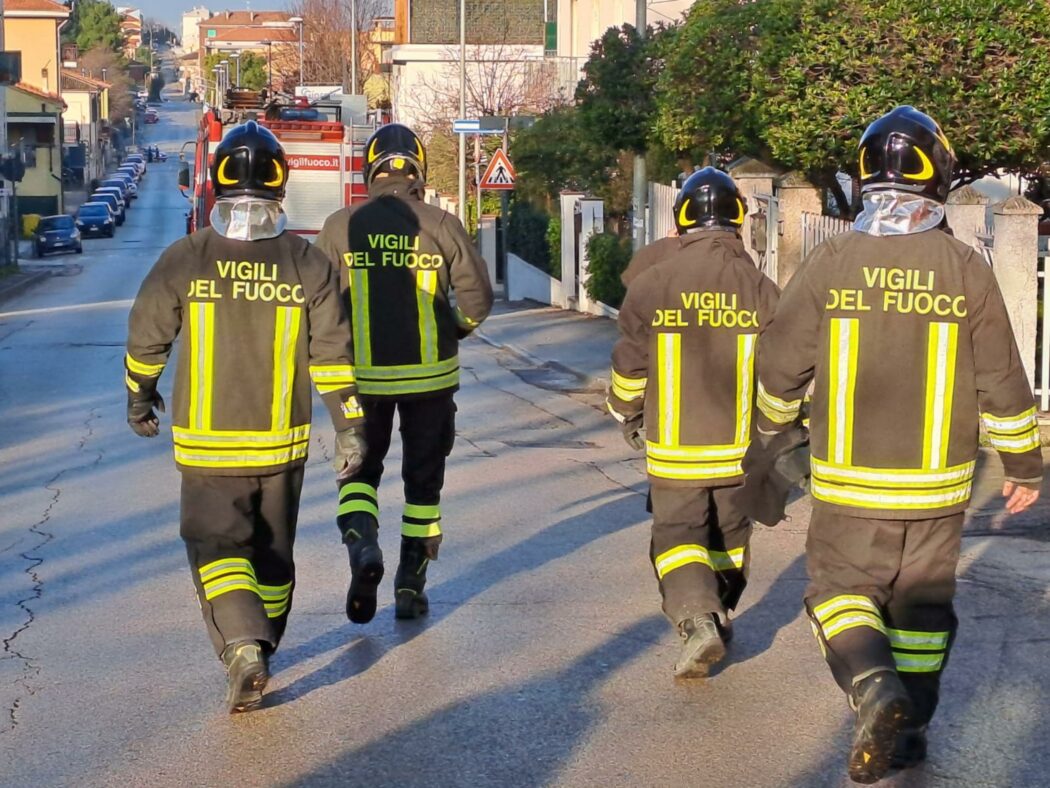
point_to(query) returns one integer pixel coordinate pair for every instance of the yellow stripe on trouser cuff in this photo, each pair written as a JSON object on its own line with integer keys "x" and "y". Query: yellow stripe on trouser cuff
{"x": 942, "y": 347}
{"x": 414, "y": 513}
{"x": 918, "y": 663}
{"x": 223, "y": 566}
{"x": 918, "y": 641}
{"x": 368, "y": 503}
{"x": 841, "y": 387}
{"x": 426, "y": 287}
{"x": 745, "y": 384}
{"x": 682, "y": 555}
{"x": 276, "y": 599}
{"x": 775, "y": 409}
{"x": 669, "y": 364}
{"x": 141, "y": 368}
{"x": 627, "y": 389}
{"x": 202, "y": 340}
{"x": 833, "y": 606}
{"x": 848, "y": 611}
{"x": 131, "y": 384}
{"x": 360, "y": 311}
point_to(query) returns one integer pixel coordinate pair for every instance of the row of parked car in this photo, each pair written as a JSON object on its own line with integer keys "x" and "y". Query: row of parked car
{"x": 104, "y": 211}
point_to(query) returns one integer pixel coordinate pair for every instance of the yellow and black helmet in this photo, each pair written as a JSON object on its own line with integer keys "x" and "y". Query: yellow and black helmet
{"x": 249, "y": 162}
{"x": 397, "y": 150}
{"x": 709, "y": 198}
{"x": 905, "y": 149}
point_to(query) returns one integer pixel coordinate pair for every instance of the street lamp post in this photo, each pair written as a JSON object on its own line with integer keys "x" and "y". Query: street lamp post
{"x": 353, "y": 47}
{"x": 269, "y": 64}
{"x": 298, "y": 20}
{"x": 463, "y": 111}
{"x": 237, "y": 57}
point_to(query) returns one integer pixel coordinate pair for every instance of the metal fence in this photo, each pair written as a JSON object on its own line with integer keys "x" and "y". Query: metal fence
{"x": 661, "y": 211}
{"x": 1042, "y": 333}
{"x": 816, "y": 229}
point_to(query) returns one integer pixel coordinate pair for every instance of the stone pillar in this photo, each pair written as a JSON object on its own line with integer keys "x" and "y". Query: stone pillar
{"x": 967, "y": 212}
{"x": 569, "y": 267}
{"x": 1015, "y": 261}
{"x": 487, "y": 243}
{"x": 752, "y": 177}
{"x": 796, "y": 196}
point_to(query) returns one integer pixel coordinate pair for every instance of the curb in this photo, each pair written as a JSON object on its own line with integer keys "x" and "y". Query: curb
{"x": 23, "y": 283}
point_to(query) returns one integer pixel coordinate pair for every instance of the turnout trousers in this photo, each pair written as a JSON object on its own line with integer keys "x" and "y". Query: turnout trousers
{"x": 880, "y": 598}
{"x": 428, "y": 430}
{"x": 239, "y": 532}
{"x": 700, "y": 549}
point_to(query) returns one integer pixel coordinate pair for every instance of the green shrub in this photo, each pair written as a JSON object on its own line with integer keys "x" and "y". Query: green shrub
{"x": 527, "y": 234}
{"x": 554, "y": 246}
{"x": 608, "y": 256}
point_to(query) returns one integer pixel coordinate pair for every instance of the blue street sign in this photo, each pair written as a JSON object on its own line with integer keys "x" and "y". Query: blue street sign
{"x": 472, "y": 127}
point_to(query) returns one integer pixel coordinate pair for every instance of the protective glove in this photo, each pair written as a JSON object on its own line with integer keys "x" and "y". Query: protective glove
{"x": 632, "y": 433}
{"x": 462, "y": 333}
{"x": 142, "y": 418}
{"x": 774, "y": 465}
{"x": 350, "y": 451}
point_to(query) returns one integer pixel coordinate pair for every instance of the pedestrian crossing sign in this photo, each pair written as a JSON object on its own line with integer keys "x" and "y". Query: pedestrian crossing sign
{"x": 500, "y": 174}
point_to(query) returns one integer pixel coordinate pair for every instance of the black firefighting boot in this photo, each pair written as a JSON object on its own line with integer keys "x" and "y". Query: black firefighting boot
{"x": 910, "y": 749}
{"x": 247, "y": 671}
{"x": 361, "y": 536}
{"x": 702, "y": 647}
{"x": 725, "y": 628}
{"x": 416, "y": 553}
{"x": 883, "y": 708}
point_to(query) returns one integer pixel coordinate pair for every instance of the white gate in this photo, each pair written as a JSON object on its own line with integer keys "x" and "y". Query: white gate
{"x": 816, "y": 229}
{"x": 1042, "y": 334}
{"x": 661, "y": 211}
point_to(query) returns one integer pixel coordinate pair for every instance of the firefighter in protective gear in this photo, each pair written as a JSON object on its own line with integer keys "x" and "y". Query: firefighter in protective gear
{"x": 262, "y": 318}
{"x": 399, "y": 261}
{"x": 903, "y": 332}
{"x": 684, "y": 369}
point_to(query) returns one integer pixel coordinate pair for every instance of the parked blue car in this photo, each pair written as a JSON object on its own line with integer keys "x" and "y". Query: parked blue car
{"x": 56, "y": 234}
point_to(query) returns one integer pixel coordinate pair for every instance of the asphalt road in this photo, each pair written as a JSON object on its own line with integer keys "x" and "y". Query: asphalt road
{"x": 545, "y": 660}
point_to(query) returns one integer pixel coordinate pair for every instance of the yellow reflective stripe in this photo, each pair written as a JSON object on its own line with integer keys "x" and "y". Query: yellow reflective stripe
{"x": 286, "y": 336}
{"x": 204, "y": 458}
{"x": 745, "y": 384}
{"x": 464, "y": 321}
{"x": 866, "y": 498}
{"x": 775, "y": 409}
{"x": 693, "y": 472}
{"x": 276, "y": 609}
{"x": 360, "y": 310}
{"x": 358, "y": 505}
{"x": 274, "y": 593}
{"x": 918, "y": 663}
{"x": 422, "y": 511}
{"x": 212, "y": 570}
{"x": 408, "y": 386}
{"x": 243, "y": 583}
{"x": 407, "y": 371}
{"x": 628, "y": 389}
{"x": 351, "y": 408}
{"x": 841, "y": 388}
{"x": 1015, "y": 445}
{"x": 359, "y": 487}
{"x": 426, "y": 286}
{"x": 682, "y": 555}
{"x": 336, "y": 372}
{"x": 918, "y": 641}
{"x": 202, "y": 340}
{"x": 826, "y": 610}
{"x": 942, "y": 348}
{"x": 142, "y": 368}
{"x": 695, "y": 453}
{"x": 131, "y": 384}
{"x": 890, "y": 478}
{"x": 1010, "y": 424}
{"x": 847, "y": 621}
{"x": 669, "y": 364}
{"x": 234, "y": 439}
{"x": 421, "y": 531}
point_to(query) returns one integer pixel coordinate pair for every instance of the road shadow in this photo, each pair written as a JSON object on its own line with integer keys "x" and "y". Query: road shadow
{"x": 519, "y": 735}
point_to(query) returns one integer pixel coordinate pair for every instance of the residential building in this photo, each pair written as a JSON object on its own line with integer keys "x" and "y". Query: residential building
{"x": 267, "y": 33}
{"x": 131, "y": 29}
{"x": 34, "y": 106}
{"x": 32, "y": 27}
{"x": 190, "y": 27}
{"x": 8, "y": 233}
{"x": 86, "y": 140}
{"x": 34, "y": 120}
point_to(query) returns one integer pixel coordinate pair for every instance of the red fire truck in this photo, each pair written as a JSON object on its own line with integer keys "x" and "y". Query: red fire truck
{"x": 325, "y": 158}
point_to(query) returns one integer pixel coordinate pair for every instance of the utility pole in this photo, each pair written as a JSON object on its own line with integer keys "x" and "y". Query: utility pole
{"x": 353, "y": 47}
{"x": 641, "y": 185}
{"x": 463, "y": 110}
